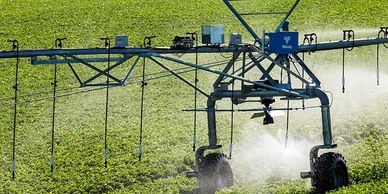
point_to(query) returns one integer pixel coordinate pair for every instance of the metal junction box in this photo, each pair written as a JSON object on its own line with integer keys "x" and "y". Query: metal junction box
{"x": 283, "y": 42}
{"x": 213, "y": 34}
{"x": 235, "y": 39}
{"x": 121, "y": 41}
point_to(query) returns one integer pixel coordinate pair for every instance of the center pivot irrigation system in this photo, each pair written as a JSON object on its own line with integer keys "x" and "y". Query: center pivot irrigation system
{"x": 280, "y": 49}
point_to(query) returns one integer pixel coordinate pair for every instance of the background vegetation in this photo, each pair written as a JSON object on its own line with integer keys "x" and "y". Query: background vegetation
{"x": 360, "y": 128}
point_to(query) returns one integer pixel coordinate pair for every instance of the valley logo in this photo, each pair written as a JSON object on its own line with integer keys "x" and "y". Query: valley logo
{"x": 287, "y": 39}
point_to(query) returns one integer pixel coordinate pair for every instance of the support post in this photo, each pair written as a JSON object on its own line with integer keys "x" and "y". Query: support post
{"x": 325, "y": 110}
{"x": 327, "y": 137}
{"x": 211, "y": 120}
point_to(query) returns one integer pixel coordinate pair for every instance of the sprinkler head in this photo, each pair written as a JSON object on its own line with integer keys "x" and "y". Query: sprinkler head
{"x": 268, "y": 119}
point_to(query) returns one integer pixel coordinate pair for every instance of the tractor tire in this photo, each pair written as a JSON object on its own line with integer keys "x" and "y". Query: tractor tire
{"x": 214, "y": 173}
{"x": 330, "y": 172}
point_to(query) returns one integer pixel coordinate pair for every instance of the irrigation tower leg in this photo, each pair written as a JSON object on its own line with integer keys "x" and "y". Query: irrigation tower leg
{"x": 212, "y": 132}
{"x": 326, "y": 122}
{"x": 212, "y": 136}
{"x": 329, "y": 170}
{"x": 326, "y": 130}
{"x": 211, "y": 119}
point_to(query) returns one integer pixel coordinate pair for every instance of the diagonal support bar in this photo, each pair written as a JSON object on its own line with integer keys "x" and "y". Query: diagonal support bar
{"x": 130, "y": 70}
{"x": 288, "y": 70}
{"x": 307, "y": 70}
{"x": 270, "y": 67}
{"x": 261, "y": 68}
{"x": 288, "y": 92}
{"x": 226, "y": 69}
{"x": 244, "y": 69}
{"x": 179, "y": 76}
{"x": 287, "y": 16}
{"x": 75, "y": 73}
{"x": 250, "y": 66}
{"x": 107, "y": 69}
{"x": 243, "y": 22}
{"x": 95, "y": 68}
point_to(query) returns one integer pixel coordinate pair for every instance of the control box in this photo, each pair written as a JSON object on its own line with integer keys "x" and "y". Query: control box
{"x": 121, "y": 41}
{"x": 213, "y": 34}
{"x": 283, "y": 42}
{"x": 235, "y": 39}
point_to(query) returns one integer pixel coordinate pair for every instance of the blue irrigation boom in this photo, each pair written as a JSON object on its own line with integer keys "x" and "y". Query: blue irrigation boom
{"x": 280, "y": 52}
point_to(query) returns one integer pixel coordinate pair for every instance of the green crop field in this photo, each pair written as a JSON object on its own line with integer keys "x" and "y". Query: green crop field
{"x": 260, "y": 162}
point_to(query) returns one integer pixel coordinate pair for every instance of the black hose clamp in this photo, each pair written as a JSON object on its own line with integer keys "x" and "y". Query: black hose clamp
{"x": 349, "y": 36}
{"x": 58, "y": 42}
{"x": 310, "y": 38}
{"x": 15, "y": 44}
{"x": 194, "y": 35}
{"x": 106, "y": 42}
{"x": 148, "y": 41}
{"x": 383, "y": 33}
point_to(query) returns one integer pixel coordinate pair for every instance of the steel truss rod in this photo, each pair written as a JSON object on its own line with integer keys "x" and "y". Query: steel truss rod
{"x": 261, "y": 68}
{"x": 288, "y": 70}
{"x": 307, "y": 70}
{"x": 132, "y": 81}
{"x": 240, "y": 68}
{"x": 288, "y": 15}
{"x": 226, "y": 69}
{"x": 271, "y": 66}
{"x": 95, "y": 68}
{"x": 242, "y": 21}
{"x": 36, "y": 61}
{"x": 284, "y": 91}
{"x": 246, "y": 69}
{"x": 244, "y": 63}
{"x": 75, "y": 74}
{"x": 130, "y": 70}
{"x": 107, "y": 69}
{"x": 179, "y": 76}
